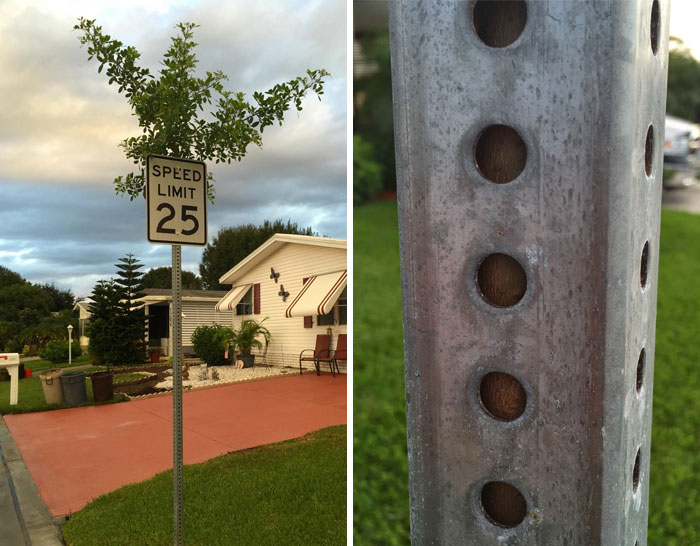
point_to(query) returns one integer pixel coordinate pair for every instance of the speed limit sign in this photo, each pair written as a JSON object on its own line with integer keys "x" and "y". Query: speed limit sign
{"x": 176, "y": 201}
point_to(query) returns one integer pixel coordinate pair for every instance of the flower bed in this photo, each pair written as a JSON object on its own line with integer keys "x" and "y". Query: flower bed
{"x": 202, "y": 376}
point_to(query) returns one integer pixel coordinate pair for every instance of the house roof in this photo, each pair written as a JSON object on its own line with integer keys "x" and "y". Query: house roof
{"x": 83, "y": 304}
{"x": 272, "y": 245}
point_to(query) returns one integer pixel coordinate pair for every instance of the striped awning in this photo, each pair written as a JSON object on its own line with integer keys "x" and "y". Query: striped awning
{"x": 318, "y": 295}
{"x": 231, "y": 299}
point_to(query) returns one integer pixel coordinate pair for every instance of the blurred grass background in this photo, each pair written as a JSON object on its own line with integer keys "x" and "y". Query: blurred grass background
{"x": 380, "y": 468}
{"x": 380, "y": 464}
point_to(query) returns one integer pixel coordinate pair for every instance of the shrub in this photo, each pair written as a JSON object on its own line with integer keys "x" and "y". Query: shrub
{"x": 13, "y": 346}
{"x": 367, "y": 173}
{"x": 57, "y": 351}
{"x": 210, "y": 343}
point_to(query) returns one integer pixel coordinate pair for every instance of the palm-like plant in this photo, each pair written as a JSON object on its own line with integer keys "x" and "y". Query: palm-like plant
{"x": 247, "y": 336}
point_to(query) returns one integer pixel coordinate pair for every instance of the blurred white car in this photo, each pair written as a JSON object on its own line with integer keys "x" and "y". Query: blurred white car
{"x": 681, "y": 152}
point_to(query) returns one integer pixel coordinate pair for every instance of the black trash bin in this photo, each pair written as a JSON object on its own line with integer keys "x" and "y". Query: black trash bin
{"x": 102, "y": 386}
{"x": 74, "y": 391}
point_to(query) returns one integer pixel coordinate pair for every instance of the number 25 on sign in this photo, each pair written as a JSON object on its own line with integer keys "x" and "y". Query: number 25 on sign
{"x": 176, "y": 201}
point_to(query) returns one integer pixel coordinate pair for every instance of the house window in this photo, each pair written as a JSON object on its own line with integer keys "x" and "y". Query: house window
{"x": 245, "y": 306}
{"x": 326, "y": 320}
{"x": 83, "y": 324}
{"x": 343, "y": 307}
{"x": 340, "y": 308}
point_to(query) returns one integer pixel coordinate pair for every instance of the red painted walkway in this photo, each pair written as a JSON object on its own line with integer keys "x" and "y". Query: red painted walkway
{"x": 77, "y": 454}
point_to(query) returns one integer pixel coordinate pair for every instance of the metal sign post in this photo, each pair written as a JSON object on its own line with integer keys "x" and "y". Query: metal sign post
{"x": 529, "y": 140}
{"x": 177, "y": 397}
{"x": 176, "y": 214}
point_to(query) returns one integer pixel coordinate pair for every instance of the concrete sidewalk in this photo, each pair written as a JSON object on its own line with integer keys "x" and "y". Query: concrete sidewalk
{"x": 24, "y": 518}
{"x": 78, "y": 454}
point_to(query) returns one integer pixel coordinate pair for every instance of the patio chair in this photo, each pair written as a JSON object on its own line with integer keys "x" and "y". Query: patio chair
{"x": 339, "y": 353}
{"x": 323, "y": 343}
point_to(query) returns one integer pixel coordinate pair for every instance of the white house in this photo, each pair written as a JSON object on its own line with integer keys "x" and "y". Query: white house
{"x": 197, "y": 310}
{"x": 83, "y": 308}
{"x": 297, "y": 284}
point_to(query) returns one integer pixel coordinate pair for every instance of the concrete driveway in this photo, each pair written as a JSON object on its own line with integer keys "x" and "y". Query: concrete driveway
{"x": 687, "y": 199}
{"x": 78, "y": 454}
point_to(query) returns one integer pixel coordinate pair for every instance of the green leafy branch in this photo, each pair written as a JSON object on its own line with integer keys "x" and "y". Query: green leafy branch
{"x": 171, "y": 107}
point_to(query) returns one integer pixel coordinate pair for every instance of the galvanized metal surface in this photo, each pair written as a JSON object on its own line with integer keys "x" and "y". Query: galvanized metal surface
{"x": 178, "y": 503}
{"x": 581, "y": 85}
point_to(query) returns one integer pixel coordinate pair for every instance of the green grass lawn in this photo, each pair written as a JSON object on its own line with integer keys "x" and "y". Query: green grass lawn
{"x": 674, "y": 512}
{"x": 291, "y": 493}
{"x": 124, "y": 377}
{"x": 380, "y": 465}
{"x": 31, "y": 397}
{"x": 39, "y": 365}
{"x": 380, "y": 497}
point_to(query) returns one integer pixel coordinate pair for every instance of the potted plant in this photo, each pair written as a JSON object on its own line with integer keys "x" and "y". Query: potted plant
{"x": 247, "y": 337}
{"x": 155, "y": 353}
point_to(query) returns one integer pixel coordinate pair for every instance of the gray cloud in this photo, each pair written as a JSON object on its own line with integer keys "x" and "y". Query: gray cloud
{"x": 73, "y": 235}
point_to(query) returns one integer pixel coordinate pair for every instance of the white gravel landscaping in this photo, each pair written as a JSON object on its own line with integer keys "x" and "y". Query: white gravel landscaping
{"x": 201, "y": 376}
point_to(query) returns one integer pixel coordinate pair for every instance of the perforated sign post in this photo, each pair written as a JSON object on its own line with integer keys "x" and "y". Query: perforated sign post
{"x": 176, "y": 205}
{"x": 529, "y": 140}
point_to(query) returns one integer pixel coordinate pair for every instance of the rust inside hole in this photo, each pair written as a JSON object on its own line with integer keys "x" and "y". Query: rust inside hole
{"x": 502, "y": 396}
{"x": 501, "y": 280}
{"x": 635, "y": 472}
{"x": 498, "y": 24}
{"x": 649, "y": 151}
{"x": 654, "y": 31}
{"x": 503, "y": 504}
{"x": 644, "y": 267}
{"x": 500, "y": 154}
{"x": 641, "y": 364}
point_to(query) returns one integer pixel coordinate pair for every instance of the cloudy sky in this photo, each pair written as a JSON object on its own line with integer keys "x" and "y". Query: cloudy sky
{"x": 60, "y": 124}
{"x": 685, "y": 15}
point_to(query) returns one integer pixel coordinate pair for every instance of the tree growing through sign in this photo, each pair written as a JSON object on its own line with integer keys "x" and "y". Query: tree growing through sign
{"x": 175, "y": 109}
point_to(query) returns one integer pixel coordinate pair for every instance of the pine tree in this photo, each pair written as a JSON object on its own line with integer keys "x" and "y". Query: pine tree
{"x": 118, "y": 323}
{"x": 104, "y": 322}
{"x": 133, "y": 321}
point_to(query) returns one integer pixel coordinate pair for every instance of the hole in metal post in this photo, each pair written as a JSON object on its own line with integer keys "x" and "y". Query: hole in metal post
{"x": 499, "y": 23}
{"x": 502, "y": 396}
{"x": 500, "y": 154}
{"x": 644, "y": 267}
{"x": 641, "y": 364}
{"x": 501, "y": 280}
{"x": 635, "y": 472}
{"x": 654, "y": 31}
{"x": 503, "y": 504}
{"x": 649, "y": 151}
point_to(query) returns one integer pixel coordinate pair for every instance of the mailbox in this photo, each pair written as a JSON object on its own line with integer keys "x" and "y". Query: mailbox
{"x": 10, "y": 361}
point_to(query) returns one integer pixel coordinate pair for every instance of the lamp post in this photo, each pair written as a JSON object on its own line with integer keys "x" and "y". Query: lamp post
{"x": 70, "y": 333}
